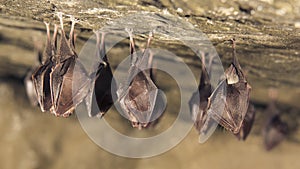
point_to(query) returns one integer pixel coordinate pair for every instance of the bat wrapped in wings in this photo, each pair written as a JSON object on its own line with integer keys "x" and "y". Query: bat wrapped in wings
{"x": 100, "y": 97}
{"x": 139, "y": 95}
{"x": 199, "y": 100}
{"x": 228, "y": 104}
{"x": 61, "y": 82}
{"x": 41, "y": 75}
{"x": 235, "y": 94}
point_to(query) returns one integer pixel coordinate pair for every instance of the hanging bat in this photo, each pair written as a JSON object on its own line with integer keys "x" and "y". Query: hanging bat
{"x": 275, "y": 130}
{"x": 69, "y": 81}
{"x": 199, "y": 100}
{"x": 101, "y": 88}
{"x": 229, "y": 102}
{"x": 41, "y": 76}
{"x": 138, "y": 96}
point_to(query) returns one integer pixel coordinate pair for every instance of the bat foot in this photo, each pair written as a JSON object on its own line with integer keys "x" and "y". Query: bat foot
{"x": 47, "y": 24}
{"x": 73, "y": 19}
{"x": 60, "y": 16}
{"x": 129, "y": 31}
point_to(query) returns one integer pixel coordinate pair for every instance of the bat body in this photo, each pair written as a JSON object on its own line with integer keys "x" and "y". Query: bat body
{"x": 199, "y": 100}
{"x": 102, "y": 89}
{"x": 237, "y": 94}
{"x": 228, "y": 104}
{"x": 57, "y": 89}
{"x": 41, "y": 76}
{"x": 138, "y": 97}
{"x": 69, "y": 81}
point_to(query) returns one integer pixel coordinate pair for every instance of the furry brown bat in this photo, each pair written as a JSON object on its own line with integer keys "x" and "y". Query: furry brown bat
{"x": 54, "y": 82}
{"x": 138, "y": 97}
{"x": 41, "y": 76}
{"x": 229, "y": 102}
{"x": 237, "y": 97}
{"x": 69, "y": 81}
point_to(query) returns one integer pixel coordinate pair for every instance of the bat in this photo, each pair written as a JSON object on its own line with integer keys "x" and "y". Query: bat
{"x": 41, "y": 76}
{"x": 138, "y": 96}
{"x": 69, "y": 81}
{"x": 102, "y": 86}
{"x": 237, "y": 97}
{"x": 274, "y": 130}
{"x": 199, "y": 100}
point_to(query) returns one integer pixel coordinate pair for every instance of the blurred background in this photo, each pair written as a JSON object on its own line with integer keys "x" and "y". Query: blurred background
{"x": 267, "y": 33}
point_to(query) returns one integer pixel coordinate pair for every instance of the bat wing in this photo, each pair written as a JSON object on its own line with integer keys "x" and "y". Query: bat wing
{"x": 41, "y": 82}
{"x": 209, "y": 117}
{"x": 194, "y": 103}
{"x": 70, "y": 85}
{"x": 199, "y": 102}
{"x": 236, "y": 105}
{"x": 217, "y": 101}
{"x": 237, "y": 99}
{"x": 141, "y": 97}
{"x": 101, "y": 93}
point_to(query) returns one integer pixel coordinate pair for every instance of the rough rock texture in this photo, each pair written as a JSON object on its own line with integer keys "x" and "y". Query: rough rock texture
{"x": 268, "y": 48}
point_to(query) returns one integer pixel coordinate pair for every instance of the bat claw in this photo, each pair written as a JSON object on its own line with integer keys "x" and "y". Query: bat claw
{"x": 59, "y": 14}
